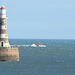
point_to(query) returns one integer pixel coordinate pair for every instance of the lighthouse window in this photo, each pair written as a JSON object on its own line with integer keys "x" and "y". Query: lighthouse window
{"x": 5, "y": 26}
{"x": 5, "y": 35}
{"x": 5, "y": 21}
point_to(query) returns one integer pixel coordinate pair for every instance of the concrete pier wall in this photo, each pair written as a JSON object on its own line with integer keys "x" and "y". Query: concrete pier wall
{"x": 9, "y": 54}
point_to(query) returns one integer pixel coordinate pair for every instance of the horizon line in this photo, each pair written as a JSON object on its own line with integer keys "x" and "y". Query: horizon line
{"x": 45, "y": 38}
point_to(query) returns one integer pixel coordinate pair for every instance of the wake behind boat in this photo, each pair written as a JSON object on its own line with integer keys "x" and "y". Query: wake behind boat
{"x": 33, "y": 45}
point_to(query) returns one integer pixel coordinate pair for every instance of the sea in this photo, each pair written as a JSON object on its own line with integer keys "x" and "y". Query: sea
{"x": 57, "y": 58}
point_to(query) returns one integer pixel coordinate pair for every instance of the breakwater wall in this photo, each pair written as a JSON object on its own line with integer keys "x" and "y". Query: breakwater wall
{"x": 9, "y": 54}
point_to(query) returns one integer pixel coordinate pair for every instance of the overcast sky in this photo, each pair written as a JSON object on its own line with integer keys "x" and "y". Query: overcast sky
{"x": 40, "y": 19}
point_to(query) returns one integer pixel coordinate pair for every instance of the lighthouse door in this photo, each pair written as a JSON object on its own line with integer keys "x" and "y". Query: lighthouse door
{"x": 1, "y": 44}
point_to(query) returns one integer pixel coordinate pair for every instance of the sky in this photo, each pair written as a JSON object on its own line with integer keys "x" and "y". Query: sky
{"x": 40, "y": 19}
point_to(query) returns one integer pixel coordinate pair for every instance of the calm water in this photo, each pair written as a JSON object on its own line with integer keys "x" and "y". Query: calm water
{"x": 58, "y": 58}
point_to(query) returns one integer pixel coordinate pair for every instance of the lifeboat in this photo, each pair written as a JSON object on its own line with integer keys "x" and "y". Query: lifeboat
{"x": 40, "y": 45}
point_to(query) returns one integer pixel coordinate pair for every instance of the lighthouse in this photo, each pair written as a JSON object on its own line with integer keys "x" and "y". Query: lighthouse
{"x": 3, "y": 28}
{"x": 7, "y": 52}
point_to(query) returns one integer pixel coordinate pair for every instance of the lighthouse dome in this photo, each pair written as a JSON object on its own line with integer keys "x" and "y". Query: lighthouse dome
{"x": 3, "y": 7}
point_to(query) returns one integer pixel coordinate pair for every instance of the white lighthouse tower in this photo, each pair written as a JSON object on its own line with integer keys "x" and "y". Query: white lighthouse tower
{"x": 3, "y": 28}
{"x": 7, "y": 52}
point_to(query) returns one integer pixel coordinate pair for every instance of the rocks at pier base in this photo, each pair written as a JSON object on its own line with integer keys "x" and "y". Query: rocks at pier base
{"x": 9, "y": 54}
